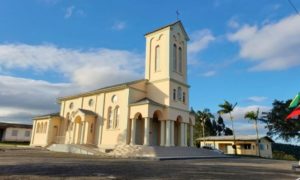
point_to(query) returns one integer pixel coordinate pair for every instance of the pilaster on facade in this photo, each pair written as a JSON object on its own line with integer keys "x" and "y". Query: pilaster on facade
{"x": 162, "y": 133}
{"x": 147, "y": 131}
{"x": 168, "y": 133}
{"x": 133, "y": 127}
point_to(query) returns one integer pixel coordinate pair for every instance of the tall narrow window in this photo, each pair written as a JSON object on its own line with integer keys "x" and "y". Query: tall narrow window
{"x": 174, "y": 94}
{"x": 109, "y": 118}
{"x": 179, "y": 91}
{"x": 180, "y": 60}
{"x": 175, "y": 58}
{"x": 183, "y": 97}
{"x": 38, "y": 127}
{"x": 45, "y": 127}
{"x": 116, "y": 117}
{"x": 157, "y": 59}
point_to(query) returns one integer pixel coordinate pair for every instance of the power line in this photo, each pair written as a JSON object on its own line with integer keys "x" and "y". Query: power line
{"x": 294, "y": 7}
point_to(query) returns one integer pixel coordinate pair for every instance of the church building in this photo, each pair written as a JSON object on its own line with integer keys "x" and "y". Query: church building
{"x": 153, "y": 111}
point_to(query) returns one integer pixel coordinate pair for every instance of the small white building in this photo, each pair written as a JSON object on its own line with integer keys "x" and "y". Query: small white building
{"x": 15, "y": 132}
{"x": 245, "y": 144}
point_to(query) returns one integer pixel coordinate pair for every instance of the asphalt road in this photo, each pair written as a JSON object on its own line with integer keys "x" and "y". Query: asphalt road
{"x": 39, "y": 164}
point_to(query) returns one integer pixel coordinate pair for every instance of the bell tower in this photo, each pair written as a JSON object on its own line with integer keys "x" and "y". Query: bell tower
{"x": 166, "y": 65}
{"x": 166, "y": 53}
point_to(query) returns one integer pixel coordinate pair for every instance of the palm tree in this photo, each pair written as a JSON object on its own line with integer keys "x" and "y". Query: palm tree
{"x": 227, "y": 108}
{"x": 251, "y": 115}
{"x": 204, "y": 116}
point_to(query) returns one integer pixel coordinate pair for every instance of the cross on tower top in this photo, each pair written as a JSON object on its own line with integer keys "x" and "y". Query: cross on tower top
{"x": 177, "y": 14}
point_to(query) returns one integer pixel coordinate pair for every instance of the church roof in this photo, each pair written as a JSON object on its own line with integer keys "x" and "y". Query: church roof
{"x": 146, "y": 101}
{"x": 169, "y": 25}
{"x": 46, "y": 116}
{"x": 104, "y": 89}
{"x": 87, "y": 112}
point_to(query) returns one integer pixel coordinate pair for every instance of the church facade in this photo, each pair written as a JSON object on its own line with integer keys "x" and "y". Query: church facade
{"x": 153, "y": 111}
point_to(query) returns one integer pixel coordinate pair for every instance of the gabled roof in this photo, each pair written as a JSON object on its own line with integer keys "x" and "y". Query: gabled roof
{"x": 104, "y": 89}
{"x": 87, "y": 112}
{"x": 46, "y": 116}
{"x": 169, "y": 25}
{"x": 146, "y": 101}
{"x": 14, "y": 125}
{"x": 237, "y": 138}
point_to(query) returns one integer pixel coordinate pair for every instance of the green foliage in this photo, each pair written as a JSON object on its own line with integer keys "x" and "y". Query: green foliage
{"x": 211, "y": 126}
{"x": 276, "y": 123}
{"x": 286, "y": 150}
{"x": 283, "y": 156}
{"x": 226, "y": 107}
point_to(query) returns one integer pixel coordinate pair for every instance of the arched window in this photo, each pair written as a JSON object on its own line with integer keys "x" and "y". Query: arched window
{"x": 180, "y": 60}
{"x": 91, "y": 128}
{"x": 157, "y": 58}
{"x": 183, "y": 97}
{"x": 175, "y": 58}
{"x": 45, "y": 127}
{"x": 109, "y": 118}
{"x": 38, "y": 127}
{"x": 174, "y": 94}
{"x": 41, "y": 128}
{"x": 116, "y": 117}
{"x": 179, "y": 96}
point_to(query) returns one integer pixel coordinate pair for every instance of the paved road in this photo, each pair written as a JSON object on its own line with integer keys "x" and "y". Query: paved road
{"x": 38, "y": 164}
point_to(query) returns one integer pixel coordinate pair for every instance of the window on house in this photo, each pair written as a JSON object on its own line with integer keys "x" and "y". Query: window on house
{"x": 91, "y": 102}
{"x": 116, "y": 117}
{"x": 261, "y": 147}
{"x": 183, "y": 97}
{"x": 179, "y": 95}
{"x": 247, "y": 146}
{"x": 14, "y": 132}
{"x": 180, "y": 60}
{"x": 91, "y": 128}
{"x": 27, "y": 133}
{"x": 157, "y": 59}
{"x": 109, "y": 118}
{"x": 174, "y": 94}
{"x": 175, "y": 58}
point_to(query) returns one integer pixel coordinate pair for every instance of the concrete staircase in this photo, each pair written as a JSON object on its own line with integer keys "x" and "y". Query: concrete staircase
{"x": 76, "y": 148}
{"x": 157, "y": 152}
{"x": 138, "y": 151}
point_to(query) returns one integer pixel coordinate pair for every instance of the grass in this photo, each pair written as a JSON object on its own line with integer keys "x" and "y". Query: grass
{"x": 14, "y": 143}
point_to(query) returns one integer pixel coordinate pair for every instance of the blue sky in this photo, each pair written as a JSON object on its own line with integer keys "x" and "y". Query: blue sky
{"x": 242, "y": 51}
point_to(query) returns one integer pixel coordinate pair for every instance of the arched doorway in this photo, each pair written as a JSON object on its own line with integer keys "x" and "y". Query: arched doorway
{"x": 139, "y": 130}
{"x": 77, "y": 130}
{"x": 177, "y": 131}
{"x": 155, "y": 128}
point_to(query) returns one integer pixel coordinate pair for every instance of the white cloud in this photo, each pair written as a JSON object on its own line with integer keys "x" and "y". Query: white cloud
{"x": 256, "y": 99}
{"x": 274, "y": 46}
{"x": 21, "y": 98}
{"x": 86, "y": 69}
{"x": 239, "y": 111}
{"x": 242, "y": 125}
{"x": 200, "y": 40}
{"x": 233, "y": 23}
{"x": 209, "y": 73}
{"x": 69, "y": 12}
{"x": 120, "y": 25}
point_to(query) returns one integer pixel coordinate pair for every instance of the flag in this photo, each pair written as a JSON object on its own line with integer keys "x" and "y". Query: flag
{"x": 295, "y": 101}
{"x": 294, "y": 113}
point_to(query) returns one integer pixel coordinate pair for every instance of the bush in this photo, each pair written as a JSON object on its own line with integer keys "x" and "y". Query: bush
{"x": 291, "y": 152}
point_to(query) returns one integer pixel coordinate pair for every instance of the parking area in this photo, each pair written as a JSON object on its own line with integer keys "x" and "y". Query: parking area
{"x": 16, "y": 163}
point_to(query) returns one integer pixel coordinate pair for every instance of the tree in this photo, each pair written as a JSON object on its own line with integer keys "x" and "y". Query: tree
{"x": 220, "y": 126}
{"x": 203, "y": 126}
{"x": 228, "y": 132}
{"x": 227, "y": 108}
{"x": 276, "y": 123}
{"x": 253, "y": 116}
